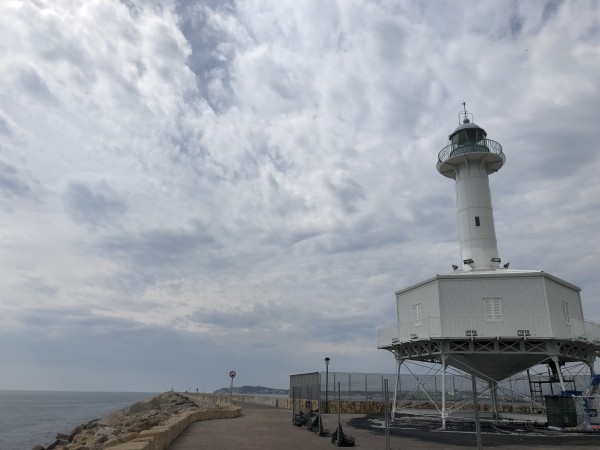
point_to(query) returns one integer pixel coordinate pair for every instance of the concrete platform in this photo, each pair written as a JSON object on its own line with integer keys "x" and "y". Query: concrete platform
{"x": 268, "y": 428}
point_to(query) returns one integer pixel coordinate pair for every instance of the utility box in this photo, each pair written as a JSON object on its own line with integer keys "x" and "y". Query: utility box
{"x": 564, "y": 411}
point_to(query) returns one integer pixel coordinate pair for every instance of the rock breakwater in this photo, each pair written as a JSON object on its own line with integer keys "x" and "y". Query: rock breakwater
{"x": 151, "y": 424}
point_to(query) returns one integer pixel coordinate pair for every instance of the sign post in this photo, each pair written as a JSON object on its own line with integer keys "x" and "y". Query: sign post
{"x": 232, "y": 375}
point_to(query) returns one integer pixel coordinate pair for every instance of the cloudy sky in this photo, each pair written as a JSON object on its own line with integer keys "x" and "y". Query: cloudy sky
{"x": 190, "y": 187}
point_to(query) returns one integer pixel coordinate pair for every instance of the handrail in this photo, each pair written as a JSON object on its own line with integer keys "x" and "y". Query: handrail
{"x": 482, "y": 146}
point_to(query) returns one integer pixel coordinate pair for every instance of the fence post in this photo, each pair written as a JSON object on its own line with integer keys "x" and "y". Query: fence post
{"x": 293, "y": 403}
{"x": 387, "y": 423}
{"x": 320, "y": 406}
{"x": 382, "y": 392}
{"x": 349, "y": 387}
{"x": 339, "y": 427}
{"x": 306, "y": 397}
{"x": 334, "y": 386}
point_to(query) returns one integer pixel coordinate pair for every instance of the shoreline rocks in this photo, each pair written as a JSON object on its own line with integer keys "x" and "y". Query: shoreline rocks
{"x": 126, "y": 424}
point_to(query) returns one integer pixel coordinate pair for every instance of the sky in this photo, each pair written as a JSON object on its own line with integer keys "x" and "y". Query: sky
{"x": 193, "y": 187}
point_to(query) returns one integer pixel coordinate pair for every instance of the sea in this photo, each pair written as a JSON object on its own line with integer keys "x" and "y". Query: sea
{"x": 28, "y": 418}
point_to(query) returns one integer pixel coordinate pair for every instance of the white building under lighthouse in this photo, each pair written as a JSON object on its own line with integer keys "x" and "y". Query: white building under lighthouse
{"x": 483, "y": 318}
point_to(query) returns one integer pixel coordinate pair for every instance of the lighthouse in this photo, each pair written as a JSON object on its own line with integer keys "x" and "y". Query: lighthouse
{"x": 487, "y": 320}
{"x": 469, "y": 158}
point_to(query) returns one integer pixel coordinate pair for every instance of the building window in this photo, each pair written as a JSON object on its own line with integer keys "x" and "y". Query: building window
{"x": 492, "y": 309}
{"x": 477, "y": 224}
{"x": 418, "y": 314}
{"x": 566, "y": 313}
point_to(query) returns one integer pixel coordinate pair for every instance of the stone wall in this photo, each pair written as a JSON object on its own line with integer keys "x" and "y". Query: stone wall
{"x": 275, "y": 401}
{"x": 160, "y": 437}
{"x": 151, "y": 424}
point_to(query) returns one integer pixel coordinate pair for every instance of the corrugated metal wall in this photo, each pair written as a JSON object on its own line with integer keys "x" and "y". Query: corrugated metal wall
{"x": 453, "y": 306}
{"x": 522, "y": 301}
{"x": 521, "y": 296}
{"x": 558, "y": 293}
{"x": 306, "y": 386}
{"x": 427, "y": 295}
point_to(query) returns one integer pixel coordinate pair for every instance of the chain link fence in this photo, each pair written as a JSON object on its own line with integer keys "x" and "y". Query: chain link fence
{"x": 419, "y": 388}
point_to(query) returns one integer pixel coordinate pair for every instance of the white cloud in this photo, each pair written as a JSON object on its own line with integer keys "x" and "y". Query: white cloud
{"x": 252, "y": 174}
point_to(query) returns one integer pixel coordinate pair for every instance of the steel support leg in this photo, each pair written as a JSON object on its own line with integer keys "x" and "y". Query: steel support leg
{"x": 443, "y": 391}
{"x": 399, "y": 363}
{"x": 494, "y": 397}
{"x": 560, "y": 377}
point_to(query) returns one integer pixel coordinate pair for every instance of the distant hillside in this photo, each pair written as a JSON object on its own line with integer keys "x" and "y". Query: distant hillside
{"x": 253, "y": 390}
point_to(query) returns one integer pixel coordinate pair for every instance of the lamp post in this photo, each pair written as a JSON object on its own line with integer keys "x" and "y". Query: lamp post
{"x": 327, "y": 359}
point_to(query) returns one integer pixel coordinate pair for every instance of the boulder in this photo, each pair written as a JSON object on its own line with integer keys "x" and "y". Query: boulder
{"x": 74, "y": 432}
{"x": 101, "y": 439}
{"x": 128, "y": 425}
{"x": 111, "y": 443}
{"x": 129, "y": 437}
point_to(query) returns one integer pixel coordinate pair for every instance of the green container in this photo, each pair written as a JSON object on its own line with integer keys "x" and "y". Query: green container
{"x": 563, "y": 411}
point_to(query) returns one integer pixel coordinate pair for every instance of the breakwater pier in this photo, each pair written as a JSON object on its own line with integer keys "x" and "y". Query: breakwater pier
{"x": 264, "y": 422}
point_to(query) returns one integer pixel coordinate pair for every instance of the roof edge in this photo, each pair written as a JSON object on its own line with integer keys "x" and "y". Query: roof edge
{"x": 490, "y": 274}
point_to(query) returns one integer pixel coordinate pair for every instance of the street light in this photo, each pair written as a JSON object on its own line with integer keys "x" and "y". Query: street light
{"x": 327, "y": 359}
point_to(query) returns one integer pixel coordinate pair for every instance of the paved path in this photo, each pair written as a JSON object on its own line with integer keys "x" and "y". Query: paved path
{"x": 267, "y": 428}
{"x": 264, "y": 428}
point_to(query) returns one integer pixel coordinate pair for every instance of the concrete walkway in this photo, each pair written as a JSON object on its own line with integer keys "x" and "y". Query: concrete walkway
{"x": 266, "y": 428}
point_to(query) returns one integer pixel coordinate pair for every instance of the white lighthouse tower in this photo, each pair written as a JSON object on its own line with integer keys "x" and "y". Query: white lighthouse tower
{"x": 484, "y": 319}
{"x": 469, "y": 159}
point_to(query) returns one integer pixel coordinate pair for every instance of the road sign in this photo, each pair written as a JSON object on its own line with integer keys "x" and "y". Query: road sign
{"x": 232, "y": 374}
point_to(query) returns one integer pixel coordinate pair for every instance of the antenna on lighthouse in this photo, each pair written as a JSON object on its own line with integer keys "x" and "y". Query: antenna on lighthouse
{"x": 465, "y": 115}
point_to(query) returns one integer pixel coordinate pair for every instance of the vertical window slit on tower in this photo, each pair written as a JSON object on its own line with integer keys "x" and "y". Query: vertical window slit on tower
{"x": 477, "y": 221}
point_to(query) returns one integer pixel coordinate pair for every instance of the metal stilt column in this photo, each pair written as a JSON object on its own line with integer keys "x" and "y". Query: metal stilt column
{"x": 443, "y": 391}
{"x": 476, "y": 411}
{"x": 494, "y": 397}
{"x": 560, "y": 377}
{"x": 399, "y": 363}
{"x": 591, "y": 366}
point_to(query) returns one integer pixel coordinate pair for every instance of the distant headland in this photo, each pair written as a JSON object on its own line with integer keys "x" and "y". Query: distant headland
{"x": 253, "y": 390}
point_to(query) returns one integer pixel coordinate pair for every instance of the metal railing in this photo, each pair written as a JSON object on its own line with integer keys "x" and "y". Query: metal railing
{"x": 483, "y": 146}
{"x": 547, "y": 327}
{"x": 592, "y": 330}
{"x": 417, "y": 386}
{"x": 356, "y": 386}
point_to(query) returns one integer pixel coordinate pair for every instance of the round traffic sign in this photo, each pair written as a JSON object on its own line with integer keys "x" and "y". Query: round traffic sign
{"x": 232, "y": 374}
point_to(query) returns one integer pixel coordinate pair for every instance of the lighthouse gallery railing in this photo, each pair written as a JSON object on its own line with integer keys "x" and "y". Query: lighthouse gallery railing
{"x": 483, "y": 146}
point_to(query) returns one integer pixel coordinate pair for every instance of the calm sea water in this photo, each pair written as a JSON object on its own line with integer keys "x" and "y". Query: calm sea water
{"x": 28, "y": 418}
